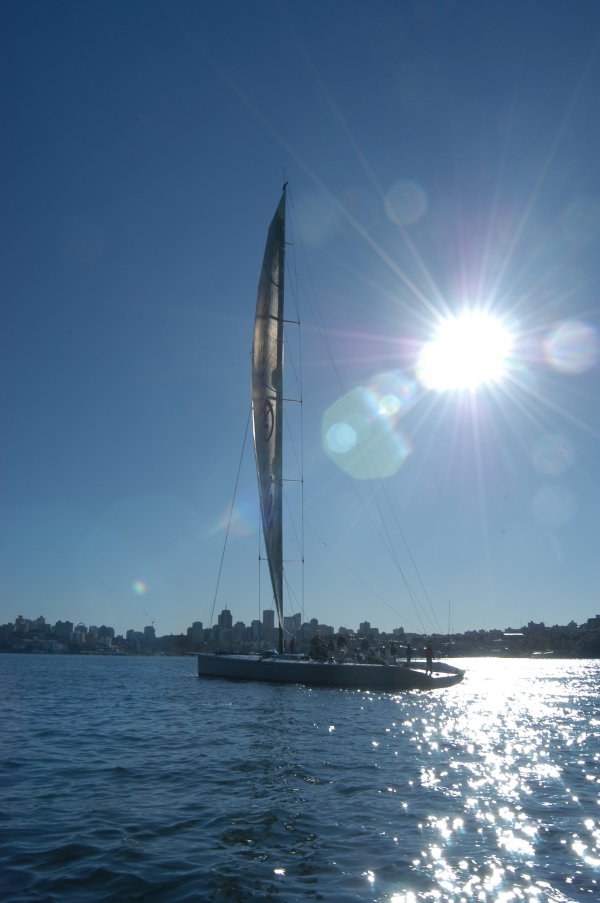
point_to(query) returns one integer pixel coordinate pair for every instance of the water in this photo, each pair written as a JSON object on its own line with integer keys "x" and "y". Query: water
{"x": 128, "y": 779}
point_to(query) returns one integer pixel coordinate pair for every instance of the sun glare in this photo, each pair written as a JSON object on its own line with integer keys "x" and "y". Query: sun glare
{"x": 468, "y": 351}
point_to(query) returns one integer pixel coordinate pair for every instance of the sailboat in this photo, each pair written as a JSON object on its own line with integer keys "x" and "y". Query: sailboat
{"x": 267, "y": 418}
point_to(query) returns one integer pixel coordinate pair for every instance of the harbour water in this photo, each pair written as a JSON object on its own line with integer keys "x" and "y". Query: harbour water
{"x": 129, "y": 779}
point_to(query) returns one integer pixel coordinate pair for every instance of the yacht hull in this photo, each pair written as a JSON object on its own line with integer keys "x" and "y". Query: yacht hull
{"x": 346, "y": 675}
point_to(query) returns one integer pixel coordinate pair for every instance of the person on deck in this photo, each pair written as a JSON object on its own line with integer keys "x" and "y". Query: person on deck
{"x": 408, "y": 654}
{"x": 429, "y": 657}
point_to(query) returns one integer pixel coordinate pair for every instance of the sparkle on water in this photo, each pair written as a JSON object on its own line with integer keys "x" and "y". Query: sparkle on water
{"x": 490, "y": 758}
{"x": 487, "y": 792}
{"x": 468, "y": 351}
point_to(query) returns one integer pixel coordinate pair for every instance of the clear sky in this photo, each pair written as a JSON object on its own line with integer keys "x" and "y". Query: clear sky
{"x": 442, "y": 156}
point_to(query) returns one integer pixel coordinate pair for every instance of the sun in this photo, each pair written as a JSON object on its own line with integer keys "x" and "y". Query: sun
{"x": 468, "y": 351}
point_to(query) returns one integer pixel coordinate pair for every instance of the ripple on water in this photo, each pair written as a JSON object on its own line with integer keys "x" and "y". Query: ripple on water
{"x": 132, "y": 780}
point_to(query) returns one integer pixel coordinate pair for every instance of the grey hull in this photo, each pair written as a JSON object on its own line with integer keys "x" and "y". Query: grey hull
{"x": 349, "y": 675}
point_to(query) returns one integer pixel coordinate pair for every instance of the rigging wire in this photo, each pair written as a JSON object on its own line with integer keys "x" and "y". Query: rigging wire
{"x": 359, "y": 577}
{"x": 227, "y": 531}
{"x": 292, "y": 270}
{"x": 381, "y": 528}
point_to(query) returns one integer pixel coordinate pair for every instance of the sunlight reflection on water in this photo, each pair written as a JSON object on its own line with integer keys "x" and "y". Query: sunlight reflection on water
{"x": 222, "y": 791}
{"x": 510, "y": 748}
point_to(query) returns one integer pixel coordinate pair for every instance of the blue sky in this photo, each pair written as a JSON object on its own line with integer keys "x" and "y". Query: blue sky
{"x": 441, "y": 156}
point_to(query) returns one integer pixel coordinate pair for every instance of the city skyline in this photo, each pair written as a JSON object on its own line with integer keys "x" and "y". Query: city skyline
{"x": 225, "y": 620}
{"x": 440, "y": 158}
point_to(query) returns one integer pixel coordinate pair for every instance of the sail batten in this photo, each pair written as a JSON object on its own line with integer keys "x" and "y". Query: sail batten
{"x": 267, "y": 400}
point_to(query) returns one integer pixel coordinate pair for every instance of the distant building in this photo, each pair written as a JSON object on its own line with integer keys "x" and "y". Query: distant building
{"x": 134, "y": 639}
{"x": 292, "y": 624}
{"x": 63, "y": 630}
{"x": 40, "y": 625}
{"x": 225, "y": 619}
{"x": 268, "y": 619}
{"x": 80, "y": 634}
{"x": 22, "y": 625}
{"x": 196, "y": 632}
{"x": 6, "y": 632}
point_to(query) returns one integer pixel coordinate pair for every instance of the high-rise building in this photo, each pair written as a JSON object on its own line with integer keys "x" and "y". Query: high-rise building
{"x": 80, "y": 633}
{"x": 256, "y": 630}
{"x": 63, "y": 630}
{"x": 40, "y": 625}
{"x": 22, "y": 624}
{"x": 196, "y": 632}
{"x": 292, "y": 623}
{"x": 225, "y": 619}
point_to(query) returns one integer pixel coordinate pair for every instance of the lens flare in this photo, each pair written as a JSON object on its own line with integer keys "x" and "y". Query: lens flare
{"x": 340, "y": 438}
{"x": 406, "y": 203}
{"x": 572, "y": 347}
{"x": 552, "y": 455}
{"x": 394, "y": 392}
{"x": 237, "y": 521}
{"x": 359, "y": 434}
{"x": 389, "y": 405}
{"x": 139, "y": 587}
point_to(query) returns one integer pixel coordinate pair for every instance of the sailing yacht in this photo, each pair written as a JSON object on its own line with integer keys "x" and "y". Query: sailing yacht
{"x": 267, "y": 418}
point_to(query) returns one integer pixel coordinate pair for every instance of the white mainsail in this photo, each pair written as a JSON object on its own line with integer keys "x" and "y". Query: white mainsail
{"x": 267, "y": 400}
